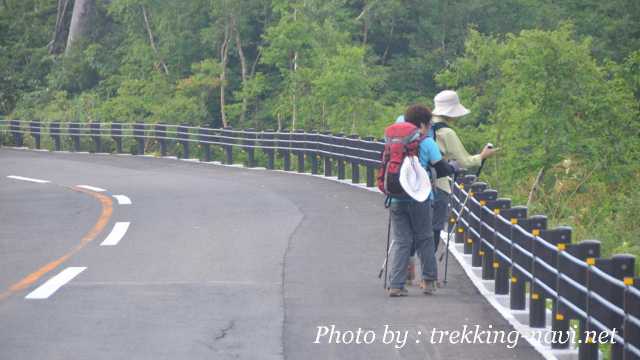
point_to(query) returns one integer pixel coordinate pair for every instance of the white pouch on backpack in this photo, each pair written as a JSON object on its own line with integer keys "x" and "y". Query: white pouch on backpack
{"x": 414, "y": 179}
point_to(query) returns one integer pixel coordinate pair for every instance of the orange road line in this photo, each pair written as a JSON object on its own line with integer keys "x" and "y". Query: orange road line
{"x": 103, "y": 220}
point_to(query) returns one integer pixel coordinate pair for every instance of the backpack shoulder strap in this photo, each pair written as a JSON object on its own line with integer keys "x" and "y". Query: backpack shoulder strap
{"x": 437, "y": 126}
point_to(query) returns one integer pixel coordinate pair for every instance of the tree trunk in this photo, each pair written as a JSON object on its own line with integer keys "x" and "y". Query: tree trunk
{"x": 224, "y": 54}
{"x": 279, "y": 121}
{"x": 386, "y": 50}
{"x": 294, "y": 112}
{"x": 83, "y": 15}
{"x": 55, "y": 46}
{"x": 444, "y": 27}
{"x": 243, "y": 67}
{"x": 535, "y": 186}
{"x": 147, "y": 26}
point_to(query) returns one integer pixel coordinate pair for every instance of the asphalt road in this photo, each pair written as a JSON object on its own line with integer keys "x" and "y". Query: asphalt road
{"x": 217, "y": 263}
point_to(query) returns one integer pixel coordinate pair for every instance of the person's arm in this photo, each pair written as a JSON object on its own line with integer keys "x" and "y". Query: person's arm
{"x": 430, "y": 155}
{"x": 456, "y": 151}
{"x": 429, "y": 152}
{"x": 443, "y": 169}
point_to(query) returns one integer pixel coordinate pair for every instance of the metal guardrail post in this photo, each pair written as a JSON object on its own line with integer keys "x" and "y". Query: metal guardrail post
{"x": 537, "y": 299}
{"x": 630, "y": 329}
{"x": 355, "y": 164}
{"x": 14, "y": 128}
{"x": 94, "y": 128}
{"x": 284, "y": 145}
{"x": 370, "y": 168}
{"x": 476, "y": 250}
{"x": 587, "y": 348}
{"x": 338, "y": 148}
{"x": 138, "y": 134}
{"x": 518, "y": 286}
{"x": 487, "y": 219}
{"x": 503, "y": 271}
{"x": 203, "y": 135}
{"x": 622, "y": 268}
{"x": 491, "y": 261}
{"x": 588, "y": 249}
{"x": 312, "y": 141}
{"x": 160, "y": 131}
{"x": 228, "y": 149}
{"x": 74, "y": 130}
{"x": 116, "y": 135}
{"x": 250, "y": 141}
{"x": 271, "y": 153}
{"x": 326, "y": 146}
{"x": 300, "y": 135}
{"x": 183, "y": 135}
{"x": 560, "y": 237}
{"x": 34, "y": 129}
{"x": 54, "y": 131}
{"x": 460, "y": 236}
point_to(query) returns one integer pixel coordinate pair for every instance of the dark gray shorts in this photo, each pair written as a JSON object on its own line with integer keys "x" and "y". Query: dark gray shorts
{"x": 440, "y": 210}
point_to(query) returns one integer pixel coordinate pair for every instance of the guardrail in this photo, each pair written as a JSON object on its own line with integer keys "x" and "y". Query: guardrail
{"x": 519, "y": 252}
{"x": 327, "y": 149}
{"x": 527, "y": 262}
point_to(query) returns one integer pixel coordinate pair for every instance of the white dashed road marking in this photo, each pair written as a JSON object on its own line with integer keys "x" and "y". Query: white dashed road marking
{"x": 15, "y": 177}
{"x": 52, "y": 285}
{"x": 116, "y": 234}
{"x": 92, "y": 188}
{"x": 122, "y": 199}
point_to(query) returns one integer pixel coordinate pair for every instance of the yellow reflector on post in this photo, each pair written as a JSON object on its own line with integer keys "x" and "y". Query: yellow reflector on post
{"x": 514, "y": 279}
{"x": 628, "y": 281}
{"x": 535, "y": 232}
{"x": 561, "y": 246}
{"x": 559, "y": 317}
{"x": 514, "y": 221}
{"x": 496, "y": 264}
{"x": 535, "y": 296}
{"x": 591, "y": 261}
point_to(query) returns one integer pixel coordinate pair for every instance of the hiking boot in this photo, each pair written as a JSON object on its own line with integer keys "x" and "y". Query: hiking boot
{"x": 398, "y": 292}
{"x": 428, "y": 287}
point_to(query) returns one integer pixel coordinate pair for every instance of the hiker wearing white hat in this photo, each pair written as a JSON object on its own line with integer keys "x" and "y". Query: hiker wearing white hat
{"x": 447, "y": 109}
{"x": 411, "y": 214}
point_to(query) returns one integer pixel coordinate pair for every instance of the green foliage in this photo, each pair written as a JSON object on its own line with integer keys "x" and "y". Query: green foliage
{"x": 558, "y": 116}
{"x": 555, "y": 84}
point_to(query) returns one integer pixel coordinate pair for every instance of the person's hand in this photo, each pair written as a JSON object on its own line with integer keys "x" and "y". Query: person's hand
{"x": 488, "y": 151}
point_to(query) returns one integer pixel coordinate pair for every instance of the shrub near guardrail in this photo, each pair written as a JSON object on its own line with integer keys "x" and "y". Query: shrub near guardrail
{"x": 527, "y": 261}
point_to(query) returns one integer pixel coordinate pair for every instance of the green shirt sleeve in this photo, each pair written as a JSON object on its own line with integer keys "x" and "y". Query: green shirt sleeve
{"x": 454, "y": 150}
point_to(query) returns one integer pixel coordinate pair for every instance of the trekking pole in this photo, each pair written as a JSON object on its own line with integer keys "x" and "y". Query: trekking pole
{"x": 386, "y": 258}
{"x": 455, "y": 224}
{"x": 384, "y": 263}
{"x": 446, "y": 259}
{"x": 383, "y": 268}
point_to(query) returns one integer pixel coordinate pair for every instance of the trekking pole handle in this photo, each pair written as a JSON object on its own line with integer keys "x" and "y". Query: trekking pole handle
{"x": 490, "y": 146}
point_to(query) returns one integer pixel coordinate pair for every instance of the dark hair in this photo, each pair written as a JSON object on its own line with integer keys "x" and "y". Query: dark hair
{"x": 418, "y": 114}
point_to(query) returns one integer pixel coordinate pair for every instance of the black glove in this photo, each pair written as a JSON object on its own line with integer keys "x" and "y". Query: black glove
{"x": 443, "y": 169}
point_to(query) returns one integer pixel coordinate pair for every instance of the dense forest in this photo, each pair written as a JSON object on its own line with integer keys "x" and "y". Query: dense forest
{"x": 555, "y": 84}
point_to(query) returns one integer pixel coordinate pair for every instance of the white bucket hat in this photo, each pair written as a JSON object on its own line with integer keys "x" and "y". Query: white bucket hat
{"x": 414, "y": 179}
{"x": 447, "y": 103}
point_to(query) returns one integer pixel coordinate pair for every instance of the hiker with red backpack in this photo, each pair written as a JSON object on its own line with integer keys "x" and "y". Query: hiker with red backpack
{"x": 408, "y": 157}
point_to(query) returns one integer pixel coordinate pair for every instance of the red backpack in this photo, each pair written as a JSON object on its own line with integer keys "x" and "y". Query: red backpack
{"x": 401, "y": 140}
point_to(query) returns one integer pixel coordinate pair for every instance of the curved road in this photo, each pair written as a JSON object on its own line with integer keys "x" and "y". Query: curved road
{"x": 217, "y": 263}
